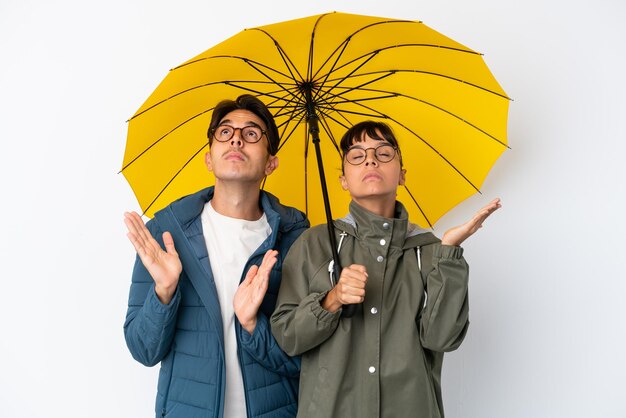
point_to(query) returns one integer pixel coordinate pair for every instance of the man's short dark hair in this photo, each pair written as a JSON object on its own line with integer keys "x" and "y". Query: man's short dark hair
{"x": 252, "y": 104}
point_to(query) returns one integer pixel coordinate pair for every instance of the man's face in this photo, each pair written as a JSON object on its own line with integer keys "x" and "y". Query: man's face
{"x": 236, "y": 159}
{"x": 372, "y": 179}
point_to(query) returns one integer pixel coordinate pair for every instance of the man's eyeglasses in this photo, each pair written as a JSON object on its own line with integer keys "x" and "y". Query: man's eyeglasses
{"x": 383, "y": 153}
{"x": 250, "y": 134}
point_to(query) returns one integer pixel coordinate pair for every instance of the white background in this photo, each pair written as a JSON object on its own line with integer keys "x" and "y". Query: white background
{"x": 547, "y": 285}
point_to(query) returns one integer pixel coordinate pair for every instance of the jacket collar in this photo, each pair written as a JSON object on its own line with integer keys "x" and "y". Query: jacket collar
{"x": 366, "y": 224}
{"x": 188, "y": 209}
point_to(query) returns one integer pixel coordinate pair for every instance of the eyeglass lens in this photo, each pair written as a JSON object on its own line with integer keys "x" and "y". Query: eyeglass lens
{"x": 249, "y": 134}
{"x": 383, "y": 153}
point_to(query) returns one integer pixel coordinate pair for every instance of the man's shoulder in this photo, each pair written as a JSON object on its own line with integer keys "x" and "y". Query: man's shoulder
{"x": 188, "y": 207}
{"x": 290, "y": 217}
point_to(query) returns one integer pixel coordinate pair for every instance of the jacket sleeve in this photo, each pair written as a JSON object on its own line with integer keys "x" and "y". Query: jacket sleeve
{"x": 444, "y": 319}
{"x": 262, "y": 346}
{"x": 299, "y": 322}
{"x": 150, "y": 325}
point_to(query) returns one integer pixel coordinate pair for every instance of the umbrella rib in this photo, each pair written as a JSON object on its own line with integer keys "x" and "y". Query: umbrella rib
{"x": 327, "y": 75}
{"x": 418, "y": 206}
{"x": 174, "y": 177}
{"x": 374, "y": 113}
{"x": 286, "y": 124}
{"x": 163, "y": 137}
{"x": 341, "y": 80}
{"x": 328, "y": 131}
{"x": 286, "y": 101}
{"x": 180, "y": 93}
{"x": 421, "y": 139}
{"x": 391, "y": 94}
{"x": 309, "y": 69}
{"x": 288, "y": 105}
{"x": 236, "y": 57}
{"x": 352, "y": 112}
{"x": 438, "y": 153}
{"x": 283, "y": 54}
{"x": 459, "y": 118}
{"x": 271, "y": 79}
{"x": 360, "y": 87}
{"x": 343, "y": 45}
{"x": 260, "y": 93}
{"x": 392, "y": 72}
{"x": 346, "y": 125}
{"x": 377, "y": 51}
{"x": 185, "y": 122}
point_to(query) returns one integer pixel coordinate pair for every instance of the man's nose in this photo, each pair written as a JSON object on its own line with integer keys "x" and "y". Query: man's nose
{"x": 236, "y": 140}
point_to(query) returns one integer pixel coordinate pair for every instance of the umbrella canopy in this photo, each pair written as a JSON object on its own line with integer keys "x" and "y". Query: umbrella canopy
{"x": 447, "y": 110}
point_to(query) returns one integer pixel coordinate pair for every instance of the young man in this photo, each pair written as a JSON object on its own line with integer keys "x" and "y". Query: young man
{"x": 411, "y": 288}
{"x": 206, "y": 279}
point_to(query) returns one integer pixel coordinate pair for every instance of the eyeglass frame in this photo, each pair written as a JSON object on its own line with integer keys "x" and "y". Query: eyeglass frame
{"x": 396, "y": 151}
{"x": 241, "y": 135}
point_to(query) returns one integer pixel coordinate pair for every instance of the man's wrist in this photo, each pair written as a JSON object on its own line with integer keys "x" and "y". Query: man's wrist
{"x": 249, "y": 326}
{"x": 164, "y": 294}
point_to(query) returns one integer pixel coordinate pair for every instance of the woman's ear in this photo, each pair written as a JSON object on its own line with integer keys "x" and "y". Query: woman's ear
{"x": 402, "y": 177}
{"x": 344, "y": 183}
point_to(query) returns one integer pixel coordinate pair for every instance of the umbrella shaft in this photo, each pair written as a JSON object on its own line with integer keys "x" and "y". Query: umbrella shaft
{"x": 314, "y": 130}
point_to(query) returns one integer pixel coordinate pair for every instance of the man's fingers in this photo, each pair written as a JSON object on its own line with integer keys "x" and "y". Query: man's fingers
{"x": 251, "y": 274}
{"x": 168, "y": 241}
{"x": 269, "y": 259}
{"x": 263, "y": 284}
{"x": 130, "y": 224}
{"x": 136, "y": 244}
{"x": 142, "y": 231}
{"x": 135, "y": 224}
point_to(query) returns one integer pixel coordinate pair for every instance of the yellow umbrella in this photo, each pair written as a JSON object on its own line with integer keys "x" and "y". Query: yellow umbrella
{"x": 329, "y": 71}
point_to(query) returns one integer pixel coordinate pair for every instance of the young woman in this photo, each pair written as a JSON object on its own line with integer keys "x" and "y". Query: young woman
{"x": 410, "y": 287}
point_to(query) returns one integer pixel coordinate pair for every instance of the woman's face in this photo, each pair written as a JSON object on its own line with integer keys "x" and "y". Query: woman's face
{"x": 372, "y": 179}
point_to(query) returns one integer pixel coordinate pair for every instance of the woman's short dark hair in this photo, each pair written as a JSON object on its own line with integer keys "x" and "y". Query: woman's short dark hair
{"x": 379, "y": 131}
{"x": 252, "y": 104}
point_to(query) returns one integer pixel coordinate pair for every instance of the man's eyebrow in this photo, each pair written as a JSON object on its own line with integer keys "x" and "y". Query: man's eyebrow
{"x": 247, "y": 123}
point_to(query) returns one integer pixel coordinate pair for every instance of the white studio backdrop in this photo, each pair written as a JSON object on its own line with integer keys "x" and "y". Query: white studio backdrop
{"x": 547, "y": 330}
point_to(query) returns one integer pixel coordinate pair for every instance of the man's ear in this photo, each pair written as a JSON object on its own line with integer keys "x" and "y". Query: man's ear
{"x": 207, "y": 160}
{"x": 271, "y": 165}
{"x": 344, "y": 182}
{"x": 402, "y": 177}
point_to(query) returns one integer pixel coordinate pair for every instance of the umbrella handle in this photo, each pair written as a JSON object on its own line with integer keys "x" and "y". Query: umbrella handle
{"x": 348, "y": 311}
